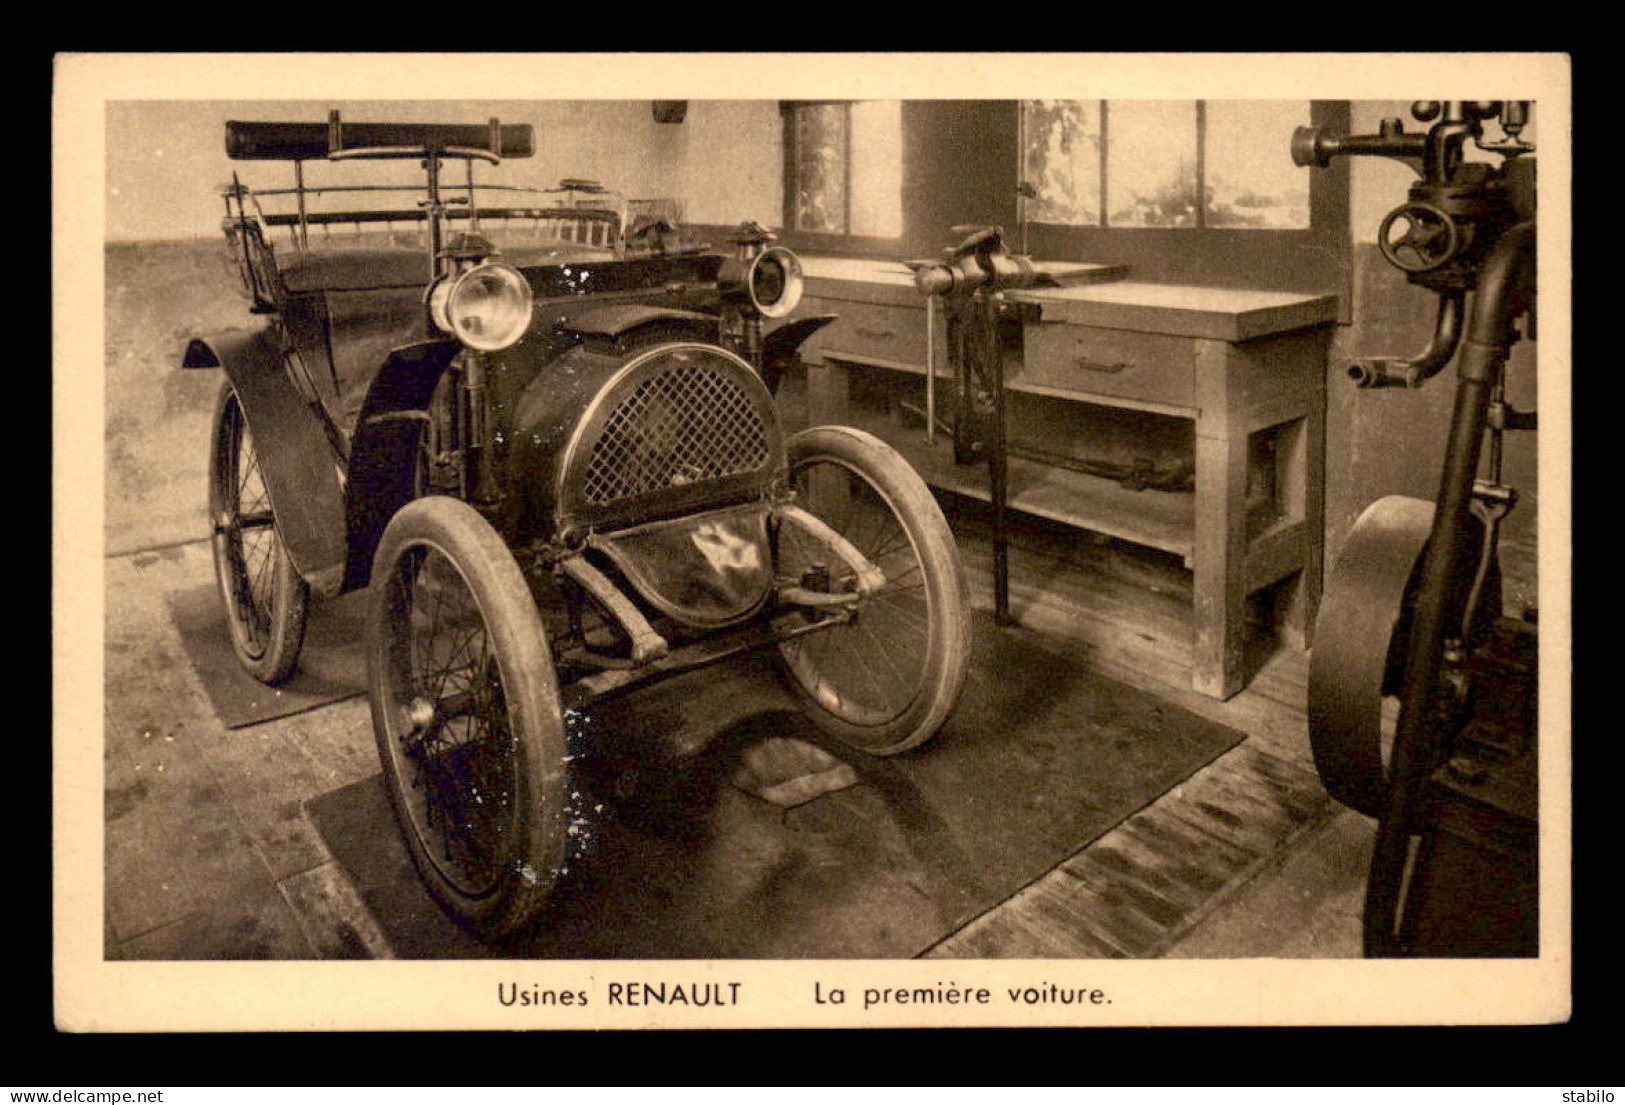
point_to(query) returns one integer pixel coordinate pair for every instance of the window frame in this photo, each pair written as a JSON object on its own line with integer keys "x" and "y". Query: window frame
{"x": 823, "y": 241}
{"x": 1311, "y": 260}
{"x": 943, "y": 189}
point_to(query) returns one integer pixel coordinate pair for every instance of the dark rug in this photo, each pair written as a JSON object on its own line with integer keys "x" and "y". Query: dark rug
{"x": 1040, "y": 758}
{"x": 332, "y": 663}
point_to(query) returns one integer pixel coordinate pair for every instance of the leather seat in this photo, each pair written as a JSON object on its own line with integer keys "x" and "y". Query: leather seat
{"x": 357, "y": 269}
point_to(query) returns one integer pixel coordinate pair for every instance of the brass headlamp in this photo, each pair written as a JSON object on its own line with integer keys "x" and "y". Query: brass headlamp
{"x": 484, "y": 303}
{"x": 766, "y": 277}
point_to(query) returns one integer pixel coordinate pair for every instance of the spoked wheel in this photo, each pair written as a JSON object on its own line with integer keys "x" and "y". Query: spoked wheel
{"x": 886, "y": 680}
{"x": 264, "y": 598}
{"x": 465, "y": 708}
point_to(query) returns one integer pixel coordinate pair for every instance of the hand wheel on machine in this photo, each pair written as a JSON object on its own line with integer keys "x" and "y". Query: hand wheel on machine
{"x": 1418, "y": 237}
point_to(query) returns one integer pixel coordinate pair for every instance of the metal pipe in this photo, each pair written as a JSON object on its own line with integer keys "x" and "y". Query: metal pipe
{"x": 1504, "y": 285}
{"x": 435, "y": 212}
{"x": 299, "y": 188}
{"x": 1313, "y": 146}
{"x": 998, "y": 458}
{"x": 930, "y": 369}
{"x": 1388, "y": 372}
{"x": 960, "y": 316}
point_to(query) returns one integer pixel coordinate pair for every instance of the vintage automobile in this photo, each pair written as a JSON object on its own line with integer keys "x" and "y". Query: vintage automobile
{"x": 560, "y": 469}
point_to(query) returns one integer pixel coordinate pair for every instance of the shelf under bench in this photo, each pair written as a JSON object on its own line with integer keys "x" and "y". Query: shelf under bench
{"x": 1164, "y": 520}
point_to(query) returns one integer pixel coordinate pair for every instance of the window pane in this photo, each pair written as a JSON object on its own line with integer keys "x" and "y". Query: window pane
{"x": 1250, "y": 176}
{"x": 1061, "y": 160}
{"x": 1151, "y": 163}
{"x": 820, "y": 167}
{"x": 877, "y": 168}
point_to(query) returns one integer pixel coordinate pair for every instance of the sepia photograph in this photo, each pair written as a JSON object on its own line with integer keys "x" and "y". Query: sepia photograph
{"x": 816, "y": 545}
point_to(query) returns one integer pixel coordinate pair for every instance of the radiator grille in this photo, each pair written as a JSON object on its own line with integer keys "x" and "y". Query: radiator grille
{"x": 687, "y": 425}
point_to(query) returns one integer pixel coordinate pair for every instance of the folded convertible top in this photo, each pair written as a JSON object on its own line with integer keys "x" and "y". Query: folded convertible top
{"x": 319, "y": 141}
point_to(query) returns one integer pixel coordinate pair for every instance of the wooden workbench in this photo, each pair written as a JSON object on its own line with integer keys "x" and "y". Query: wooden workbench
{"x": 1245, "y": 369}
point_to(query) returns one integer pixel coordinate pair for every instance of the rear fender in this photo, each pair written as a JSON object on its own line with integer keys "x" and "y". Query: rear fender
{"x": 779, "y": 348}
{"x": 297, "y": 461}
{"x": 384, "y": 452}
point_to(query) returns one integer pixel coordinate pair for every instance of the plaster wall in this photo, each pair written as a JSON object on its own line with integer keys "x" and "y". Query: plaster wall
{"x": 729, "y": 162}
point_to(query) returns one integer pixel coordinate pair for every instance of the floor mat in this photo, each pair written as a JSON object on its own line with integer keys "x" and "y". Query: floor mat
{"x": 332, "y": 662}
{"x": 1040, "y": 758}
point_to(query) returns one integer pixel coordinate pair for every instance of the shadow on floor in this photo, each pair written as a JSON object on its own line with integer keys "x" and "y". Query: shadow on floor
{"x": 1039, "y": 759}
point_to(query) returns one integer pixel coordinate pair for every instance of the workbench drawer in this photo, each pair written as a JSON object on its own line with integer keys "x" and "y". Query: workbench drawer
{"x": 875, "y": 331}
{"x": 1123, "y": 364}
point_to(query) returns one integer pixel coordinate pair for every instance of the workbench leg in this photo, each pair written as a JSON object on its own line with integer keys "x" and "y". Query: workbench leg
{"x": 1306, "y": 470}
{"x": 828, "y": 393}
{"x": 1218, "y": 648}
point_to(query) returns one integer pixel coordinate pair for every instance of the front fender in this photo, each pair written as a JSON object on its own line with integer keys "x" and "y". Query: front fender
{"x": 779, "y": 348}
{"x": 384, "y": 451}
{"x": 297, "y": 462}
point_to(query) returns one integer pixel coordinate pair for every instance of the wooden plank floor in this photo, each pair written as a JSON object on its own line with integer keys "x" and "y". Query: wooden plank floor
{"x": 1150, "y": 883}
{"x": 209, "y": 854}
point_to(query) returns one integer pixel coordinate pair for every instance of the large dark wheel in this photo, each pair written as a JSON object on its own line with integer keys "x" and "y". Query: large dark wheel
{"x": 885, "y": 681}
{"x": 465, "y": 708}
{"x": 264, "y": 598}
{"x": 1362, "y": 634}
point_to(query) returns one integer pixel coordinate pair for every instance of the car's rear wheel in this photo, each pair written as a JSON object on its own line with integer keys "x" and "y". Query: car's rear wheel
{"x": 886, "y": 680}
{"x": 265, "y": 600}
{"x": 465, "y": 709}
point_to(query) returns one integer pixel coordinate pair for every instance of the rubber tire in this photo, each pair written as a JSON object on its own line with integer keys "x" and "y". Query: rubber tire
{"x": 275, "y": 661}
{"x": 530, "y": 870}
{"x": 947, "y": 591}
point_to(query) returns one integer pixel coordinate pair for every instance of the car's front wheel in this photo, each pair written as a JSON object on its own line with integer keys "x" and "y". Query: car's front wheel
{"x": 885, "y": 680}
{"x": 465, "y": 708}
